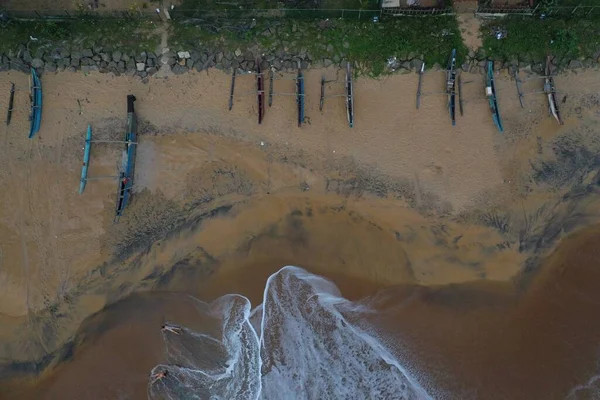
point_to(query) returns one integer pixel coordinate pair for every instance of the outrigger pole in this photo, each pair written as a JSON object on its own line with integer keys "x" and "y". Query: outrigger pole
{"x": 348, "y": 94}
{"x": 299, "y": 93}
{"x": 549, "y": 90}
{"x": 260, "y": 90}
{"x": 127, "y": 169}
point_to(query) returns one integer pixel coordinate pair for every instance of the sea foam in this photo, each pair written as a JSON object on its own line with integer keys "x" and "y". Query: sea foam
{"x": 302, "y": 342}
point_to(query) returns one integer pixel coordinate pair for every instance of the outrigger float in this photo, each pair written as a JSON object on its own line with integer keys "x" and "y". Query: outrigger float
{"x": 348, "y": 94}
{"x": 260, "y": 89}
{"x": 549, "y": 90}
{"x": 36, "y": 104}
{"x": 299, "y": 93}
{"x": 490, "y": 92}
{"x": 11, "y": 101}
{"x": 453, "y": 82}
{"x": 127, "y": 169}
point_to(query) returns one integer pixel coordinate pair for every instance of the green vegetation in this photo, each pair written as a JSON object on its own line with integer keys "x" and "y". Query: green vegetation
{"x": 188, "y": 5}
{"x": 127, "y": 35}
{"x": 368, "y": 44}
{"x": 529, "y": 39}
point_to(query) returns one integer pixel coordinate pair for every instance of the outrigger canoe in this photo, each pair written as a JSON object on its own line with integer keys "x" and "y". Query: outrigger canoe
{"x": 86, "y": 159}
{"x": 490, "y": 91}
{"x": 349, "y": 96}
{"x": 36, "y": 104}
{"x": 300, "y": 97}
{"x": 550, "y": 90}
{"x": 260, "y": 91}
{"x": 127, "y": 168}
{"x": 451, "y": 86}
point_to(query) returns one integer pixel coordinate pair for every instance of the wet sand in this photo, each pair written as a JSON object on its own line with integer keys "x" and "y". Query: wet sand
{"x": 221, "y": 203}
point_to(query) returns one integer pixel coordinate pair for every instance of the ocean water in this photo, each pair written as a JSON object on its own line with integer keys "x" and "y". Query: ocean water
{"x": 305, "y": 341}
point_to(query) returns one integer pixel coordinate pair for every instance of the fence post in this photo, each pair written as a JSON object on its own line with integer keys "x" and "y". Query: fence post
{"x": 359, "y": 14}
{"x": 575, "y": 9}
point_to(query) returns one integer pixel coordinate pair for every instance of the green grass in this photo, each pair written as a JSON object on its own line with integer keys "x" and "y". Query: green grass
{"x": 367, "y": 44}
{"x": 127, "y": 35}
{"x": 530, "y": 39}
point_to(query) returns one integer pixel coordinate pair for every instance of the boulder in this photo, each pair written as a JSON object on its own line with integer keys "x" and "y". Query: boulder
{"x": 179, "y": 69}
{"x": 151, "y": 71}
{"x": 575, "y": 64}
{"x": 116, "y": 55}
{"x": 87, "y": 53}
{"x": 142, "y": 57}
{"x": 50, "y": 67}
{"x": 105, "y": 57}
{"x": 37, "y": 63}
{"x": 416, "y": 64}
{"x": 183, "y": 54}
{"x": 27, "y": 56}
{"x": 39, "y": 53}
{"x": 189, "y": 63}
{"x": 140, "y": 66}
{"x": 76, "y": 54}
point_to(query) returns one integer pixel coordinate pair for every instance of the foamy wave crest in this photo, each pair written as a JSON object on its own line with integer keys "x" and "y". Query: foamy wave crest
{"x": 301, "y": 343}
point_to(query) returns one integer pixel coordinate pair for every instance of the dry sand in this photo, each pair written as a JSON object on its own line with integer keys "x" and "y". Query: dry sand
{"x": 220, "y": 202}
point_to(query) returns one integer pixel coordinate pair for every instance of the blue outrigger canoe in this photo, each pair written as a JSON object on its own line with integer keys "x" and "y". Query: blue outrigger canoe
{"x": 86, "y": 159}
{"x": 300, "y": 97}
{"x": 36, "y": 104}
{"x": 490, "y": 91}
{"x": 127, "y": 170}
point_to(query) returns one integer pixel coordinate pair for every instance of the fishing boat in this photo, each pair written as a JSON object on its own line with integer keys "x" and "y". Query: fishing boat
{"x": 36, "y": 104}
{"x": 126, "y": 172}
{"x": 260, "y": 91}
{"x": 11, "y": 101}
{"x": 490, "y": 92}
{"x": 451, "y": 86}
{"x": 349, "y": 96}
{"x": 86, "y": 159}
{"x": 550, "y": 90}
{"x": 300, "y": 96}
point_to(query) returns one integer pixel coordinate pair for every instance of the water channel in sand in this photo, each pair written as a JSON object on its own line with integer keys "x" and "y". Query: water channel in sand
{"x": 401, "y": 199}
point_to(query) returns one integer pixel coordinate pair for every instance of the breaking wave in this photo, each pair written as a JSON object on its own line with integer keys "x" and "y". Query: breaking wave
{"x": 303, "y": 342}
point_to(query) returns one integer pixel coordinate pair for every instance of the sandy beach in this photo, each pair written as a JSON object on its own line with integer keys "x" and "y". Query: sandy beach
{"x": 464, "y": 217}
